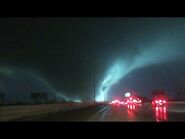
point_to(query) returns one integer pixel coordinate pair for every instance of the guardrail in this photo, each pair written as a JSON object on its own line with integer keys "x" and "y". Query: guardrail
{"x": 16, "y": 112}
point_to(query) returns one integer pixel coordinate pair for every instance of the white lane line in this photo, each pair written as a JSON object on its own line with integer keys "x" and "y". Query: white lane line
{"x": 97, "y": 113}
{"x": 102, "y": 109}
{"x": 179, "y": 111}
{"x": 105, "y": 113}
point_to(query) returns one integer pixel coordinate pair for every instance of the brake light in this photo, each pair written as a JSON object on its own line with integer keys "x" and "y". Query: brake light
{"x": 164, "y": 109}
{"x": 157, "y": 108}
{"x": 164, "y": 101}
{"x": 156, "y": 101}
{"x": 134, "y": 100}
{"x": 115, "y": 101}
{"x": 121, "y": 102}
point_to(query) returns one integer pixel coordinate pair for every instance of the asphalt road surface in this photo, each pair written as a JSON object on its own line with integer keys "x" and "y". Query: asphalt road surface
{"x": 118, "y": 113}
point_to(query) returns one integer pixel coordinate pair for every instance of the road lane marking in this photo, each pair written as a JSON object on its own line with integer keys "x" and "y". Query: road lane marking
{"x": 97, "y": 113}
{"x": 105, "y": 113}
{"x": 178, "y": 111}
{"x": 102, "y": 109}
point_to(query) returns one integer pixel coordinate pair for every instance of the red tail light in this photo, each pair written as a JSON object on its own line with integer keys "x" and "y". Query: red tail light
{"x": 156, "y": 108}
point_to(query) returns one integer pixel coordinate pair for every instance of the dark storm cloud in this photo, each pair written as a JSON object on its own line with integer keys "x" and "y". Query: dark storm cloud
{"x": 66, "y": 51}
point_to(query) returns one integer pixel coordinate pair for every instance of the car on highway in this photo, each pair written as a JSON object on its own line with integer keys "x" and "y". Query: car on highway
{"x": 115, "y": 102}
{"x": 132, "y": 100}
{"x": 159, "y": 101}
{"x": 159, "y": 98}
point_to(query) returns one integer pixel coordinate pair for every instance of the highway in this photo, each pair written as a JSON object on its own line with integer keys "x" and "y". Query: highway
{"x": 117, "y": 113}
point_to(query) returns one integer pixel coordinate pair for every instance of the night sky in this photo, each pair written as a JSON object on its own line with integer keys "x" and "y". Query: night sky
{"x": 63, "y": 53}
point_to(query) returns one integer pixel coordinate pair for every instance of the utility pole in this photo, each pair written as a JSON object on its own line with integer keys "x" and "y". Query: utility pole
{"x": 55, "y": 97}
{"x": 94, "y": 87}
{"x": 104, "y": 96}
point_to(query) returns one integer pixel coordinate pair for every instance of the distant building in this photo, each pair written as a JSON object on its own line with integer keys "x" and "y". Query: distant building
{"x": 39, "y": 97}
{"x": 1, "y": 98}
